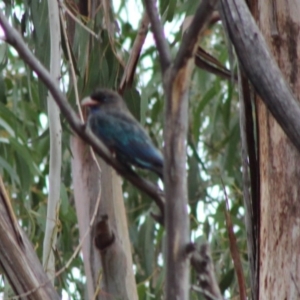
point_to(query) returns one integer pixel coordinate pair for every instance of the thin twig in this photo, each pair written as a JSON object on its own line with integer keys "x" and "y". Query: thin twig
{"x": 84, "y": 236}
{"x": 111, "y": 28}
{"x": 163, "y": 47}
{"x": 74, "y": 79}
{"x": 73, "y": 256}
{"x": 135, "y": 53}
{"x": 234, "y": 249}
{"x": 73, "y": 73}
{"x": 72, "y": 16}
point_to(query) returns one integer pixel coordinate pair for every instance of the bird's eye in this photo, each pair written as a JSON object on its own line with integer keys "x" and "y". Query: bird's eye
{"x": 102, "y": 97}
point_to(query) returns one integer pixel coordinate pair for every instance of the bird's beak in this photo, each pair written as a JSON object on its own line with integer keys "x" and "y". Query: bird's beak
{"x": 88, "y": 101}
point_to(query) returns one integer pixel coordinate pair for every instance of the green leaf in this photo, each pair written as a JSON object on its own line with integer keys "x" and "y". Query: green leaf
{"x": 171, "y": 10}
{"x": 24, "y": 154}
{"x": 64, "y": 206}
{"x": 226, "y": 280}
{"x": 146, "y": 244}
{"x": 12, "y": 172}
{"x": 133, "y": 101}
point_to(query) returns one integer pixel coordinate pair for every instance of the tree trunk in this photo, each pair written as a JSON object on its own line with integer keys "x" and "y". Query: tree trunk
{"x": 279, "y": 162}
{"x": 106, "y": 246}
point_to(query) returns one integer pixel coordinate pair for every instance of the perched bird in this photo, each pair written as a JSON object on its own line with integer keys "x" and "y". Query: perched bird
{"x": 111, "y": 121}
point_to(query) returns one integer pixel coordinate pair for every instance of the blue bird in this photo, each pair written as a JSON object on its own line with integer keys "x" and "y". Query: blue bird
{"x": 111, "y": 121}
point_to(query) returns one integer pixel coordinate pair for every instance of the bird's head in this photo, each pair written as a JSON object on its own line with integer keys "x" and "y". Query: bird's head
{"x": 104, "y": 99}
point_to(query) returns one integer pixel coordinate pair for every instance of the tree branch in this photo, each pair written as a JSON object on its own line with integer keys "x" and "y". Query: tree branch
{"x": 190, "y": 38}
{"x": 159, "y": 36}
{"x": 135, "y": 53}
{"x": 13, "y": 38}
{"x": 176, "y": 85}
{"x": 260, "y": 67}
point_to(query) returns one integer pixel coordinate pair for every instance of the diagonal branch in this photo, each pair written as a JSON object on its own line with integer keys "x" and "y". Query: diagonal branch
{"x": 135, "y": 53}
{"x": 190, "y": 38}
{"x": 261, "y": 68}
{"x": 13, "y": 38}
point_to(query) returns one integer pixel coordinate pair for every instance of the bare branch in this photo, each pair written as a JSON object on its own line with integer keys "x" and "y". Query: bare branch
{"x": 203, "y": 59}
{"x": 73, "y": 72}
{"x": 135, "y": 53}
{"x": 159, "y": 36}
{"x": 190, "y": 38}
{"x": 261, "y": 68}
{"x": 77, "y": 20}
{"x": 207, "y": 62}
{"x": 13, "y": 38}
{"x": 234, "y": 249}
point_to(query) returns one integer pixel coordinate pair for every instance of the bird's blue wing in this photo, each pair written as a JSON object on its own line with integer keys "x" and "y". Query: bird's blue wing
{"x": 127, "y": 138}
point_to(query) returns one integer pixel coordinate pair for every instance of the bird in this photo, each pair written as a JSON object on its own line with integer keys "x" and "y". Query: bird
{"x": 111, "y": 121}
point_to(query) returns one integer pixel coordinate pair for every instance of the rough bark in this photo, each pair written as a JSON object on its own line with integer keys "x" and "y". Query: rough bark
{"x": 279, "y": 162}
